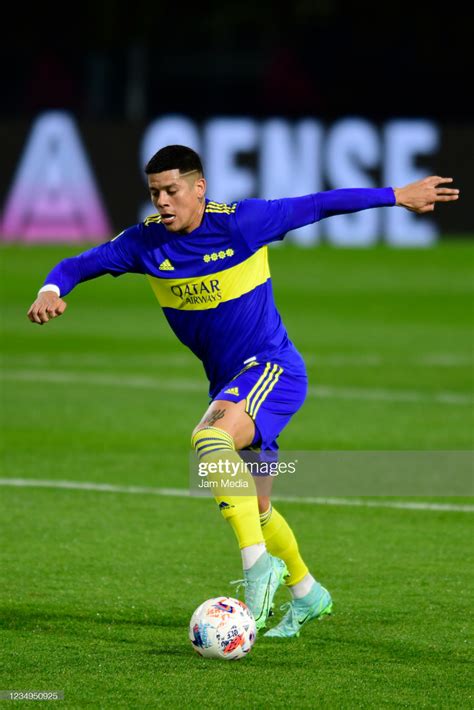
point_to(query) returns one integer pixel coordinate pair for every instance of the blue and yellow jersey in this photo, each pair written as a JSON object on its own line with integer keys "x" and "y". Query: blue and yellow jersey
{"x": 213, "y": 284}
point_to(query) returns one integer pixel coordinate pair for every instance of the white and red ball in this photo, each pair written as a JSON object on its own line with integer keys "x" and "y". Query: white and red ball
{"x": 222, "y": 628}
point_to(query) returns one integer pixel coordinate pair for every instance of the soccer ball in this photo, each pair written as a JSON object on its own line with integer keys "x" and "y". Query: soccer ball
{"x": 222, "y": 628}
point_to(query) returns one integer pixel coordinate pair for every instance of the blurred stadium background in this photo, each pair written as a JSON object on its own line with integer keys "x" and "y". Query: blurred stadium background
{"x": 97, "y": 585}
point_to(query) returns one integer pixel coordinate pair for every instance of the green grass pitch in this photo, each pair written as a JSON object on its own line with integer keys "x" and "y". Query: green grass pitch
{"x": 97, "y": 588}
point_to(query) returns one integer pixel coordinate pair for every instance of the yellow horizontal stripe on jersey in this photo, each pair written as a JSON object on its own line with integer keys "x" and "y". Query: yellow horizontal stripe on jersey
{"x": 204, "y": 292}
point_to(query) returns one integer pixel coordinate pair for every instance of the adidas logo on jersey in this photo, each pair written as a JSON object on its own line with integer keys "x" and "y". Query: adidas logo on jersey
{"x": 233, "y": 390}
{"x": 166, "y": 265}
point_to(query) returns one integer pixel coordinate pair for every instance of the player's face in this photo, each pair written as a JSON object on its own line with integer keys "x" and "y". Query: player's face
{"x": 179, "y": 198}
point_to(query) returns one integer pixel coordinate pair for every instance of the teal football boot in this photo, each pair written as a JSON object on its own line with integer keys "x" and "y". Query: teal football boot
{"x": 315, "y": 605}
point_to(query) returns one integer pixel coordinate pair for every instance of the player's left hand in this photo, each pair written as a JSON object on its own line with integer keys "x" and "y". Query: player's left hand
{"x": 422, "y": 195}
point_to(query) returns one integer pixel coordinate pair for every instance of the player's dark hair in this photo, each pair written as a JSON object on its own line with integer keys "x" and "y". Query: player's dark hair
{"x": 174, "y": 157}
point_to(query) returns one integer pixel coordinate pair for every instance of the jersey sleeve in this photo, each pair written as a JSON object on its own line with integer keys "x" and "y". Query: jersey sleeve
{"x": 260, "y": 222}
{"x": 119, "y": 256}
{"x": 263, "y": 221}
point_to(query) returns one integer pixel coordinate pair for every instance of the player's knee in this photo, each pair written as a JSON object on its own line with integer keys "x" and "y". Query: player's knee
{"x": 210, "y": 440}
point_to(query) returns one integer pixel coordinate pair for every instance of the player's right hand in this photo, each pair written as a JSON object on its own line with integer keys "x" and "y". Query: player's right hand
{"x": 48, "y": 305}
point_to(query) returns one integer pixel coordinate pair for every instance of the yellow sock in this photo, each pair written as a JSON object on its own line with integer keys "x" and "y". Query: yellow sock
{"x": 281, "y": 542}
{"x": 213, "y": 445}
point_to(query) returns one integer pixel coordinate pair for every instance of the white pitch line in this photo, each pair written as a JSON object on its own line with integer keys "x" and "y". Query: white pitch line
{"x": 182, "y": 359}
{"x": 184, "y": 493}
{"x": 193, "y": 385}
{"x": 92, "y": 378}
{"x": 382, "y": 395}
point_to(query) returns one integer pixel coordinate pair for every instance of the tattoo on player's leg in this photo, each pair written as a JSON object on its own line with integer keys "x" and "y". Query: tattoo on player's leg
{"x": 214, "y": 416}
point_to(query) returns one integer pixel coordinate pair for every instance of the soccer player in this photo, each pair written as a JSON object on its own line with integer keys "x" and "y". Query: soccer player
{"x": 207, "y": 263}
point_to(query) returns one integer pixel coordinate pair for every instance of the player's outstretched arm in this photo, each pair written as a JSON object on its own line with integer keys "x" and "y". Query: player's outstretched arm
{"x": 264, "y": 221}
{"x": 119, "y": 256}
{"x": 422, "y": 195}
{"x": 48, "y": 305}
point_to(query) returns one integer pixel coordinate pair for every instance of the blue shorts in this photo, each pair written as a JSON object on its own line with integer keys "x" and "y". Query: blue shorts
{"x": 274, "y": 390}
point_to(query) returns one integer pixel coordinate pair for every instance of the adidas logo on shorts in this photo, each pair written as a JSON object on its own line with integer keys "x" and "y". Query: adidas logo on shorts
{"x": 233, "y": 390}
{"x": 166, "y": 265}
